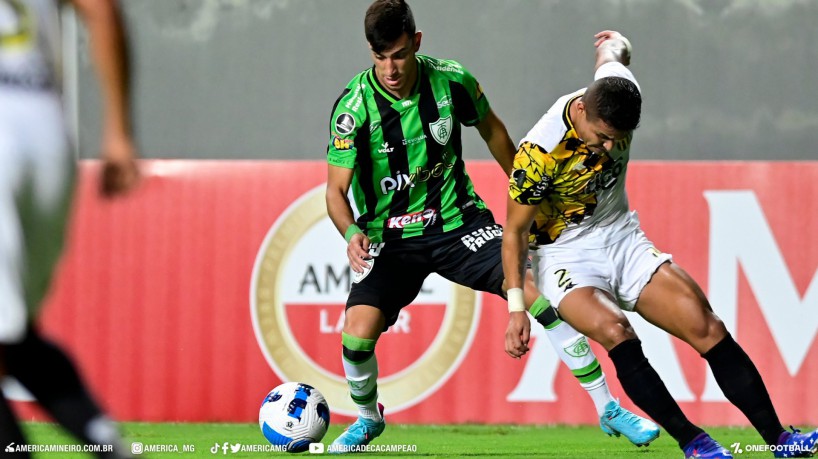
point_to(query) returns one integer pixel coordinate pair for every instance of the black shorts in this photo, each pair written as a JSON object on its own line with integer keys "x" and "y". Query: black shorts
{"x": 469, "y": 256}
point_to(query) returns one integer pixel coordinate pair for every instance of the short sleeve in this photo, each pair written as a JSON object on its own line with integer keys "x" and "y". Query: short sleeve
{"x": 531, "y": 174}
{"x": 470, "y": 103}
{"x": 347, "y": 118}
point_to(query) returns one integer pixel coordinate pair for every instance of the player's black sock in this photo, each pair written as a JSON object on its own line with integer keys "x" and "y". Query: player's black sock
{"x": 10, "y": 434}
{"x": 643, "y": 385}
{"x": 742, "y": 385}
{"x": 547, "y": 317}
{"x": 51, "y": 378}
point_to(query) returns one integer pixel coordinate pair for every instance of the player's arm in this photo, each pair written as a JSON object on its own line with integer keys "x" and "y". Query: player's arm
{"x": 612, "y": 46}
{"x": 109, "y": 51}
{"x": 515, "y": 256}
{"x": 499, "y": 143}
{"x": 340, "y": 212}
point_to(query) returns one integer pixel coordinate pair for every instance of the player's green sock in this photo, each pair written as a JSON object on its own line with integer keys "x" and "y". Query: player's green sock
{"x": 575, "y": 352}
{"x": 361, "y": 370}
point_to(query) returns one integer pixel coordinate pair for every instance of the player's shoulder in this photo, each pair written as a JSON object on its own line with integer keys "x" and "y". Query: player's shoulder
{"x": 616, "y": 69}
{"x": 444, "y": 68}
{"x": 550, "y": 129}
{"x": 349, "y": 110}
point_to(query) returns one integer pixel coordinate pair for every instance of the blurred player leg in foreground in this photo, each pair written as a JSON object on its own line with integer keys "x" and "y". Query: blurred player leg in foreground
{"x": 37, "y": 174}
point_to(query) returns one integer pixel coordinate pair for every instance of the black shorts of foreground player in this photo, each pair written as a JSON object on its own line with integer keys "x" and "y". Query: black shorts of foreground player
{"x": 593, "y": 258}
{"x": 395, "y": 140}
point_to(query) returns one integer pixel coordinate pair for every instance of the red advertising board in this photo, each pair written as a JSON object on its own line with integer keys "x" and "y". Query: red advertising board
{"x": 190, "y": 299}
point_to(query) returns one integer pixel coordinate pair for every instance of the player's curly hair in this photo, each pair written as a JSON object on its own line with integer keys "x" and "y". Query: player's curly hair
{"x": 616, "y": 101}
{"x": 386, "y": 21}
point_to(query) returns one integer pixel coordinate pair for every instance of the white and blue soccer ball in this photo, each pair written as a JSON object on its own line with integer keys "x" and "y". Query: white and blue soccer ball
{"x": 294, "y": 415}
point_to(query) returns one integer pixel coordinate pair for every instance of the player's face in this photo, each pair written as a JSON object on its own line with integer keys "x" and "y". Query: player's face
{"x": 396, "y": 67}
{"x": 597, "y": 135}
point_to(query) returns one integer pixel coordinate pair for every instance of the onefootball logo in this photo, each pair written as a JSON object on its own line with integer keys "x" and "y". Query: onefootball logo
{"x": 270, "y": 286}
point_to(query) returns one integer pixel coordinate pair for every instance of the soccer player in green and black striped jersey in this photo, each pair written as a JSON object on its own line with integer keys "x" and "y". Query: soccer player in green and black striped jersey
{"x": 395, "y": 140}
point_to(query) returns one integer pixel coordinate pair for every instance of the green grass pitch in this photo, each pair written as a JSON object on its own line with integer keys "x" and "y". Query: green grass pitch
{"x": 431, "y": 441}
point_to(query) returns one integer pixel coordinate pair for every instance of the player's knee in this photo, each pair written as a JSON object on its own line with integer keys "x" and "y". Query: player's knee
{"x": 611, "y": 334}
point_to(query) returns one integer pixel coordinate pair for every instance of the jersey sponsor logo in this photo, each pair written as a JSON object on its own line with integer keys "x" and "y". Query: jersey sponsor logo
{"x": 447, "y": 68}
{"x": 427, "y": 216}
{"x": 385, "y": 148}
{"x": 355, "y": 101}
{"x": 342, "y": 144}
{"x": 441, "y": 130}
{"x": 300, "y": 284}
{"x": 606, "y": 178}
{"x": 421, "y": 174}
{"x": 479, "y": 238}
{"x": 445, "y": 101}
{"x": 344, "y": 124}
{"x": 414, "y": 140}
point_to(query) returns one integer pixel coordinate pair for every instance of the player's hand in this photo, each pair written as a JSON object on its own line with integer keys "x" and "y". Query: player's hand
{"x": 119, "y": 169}
{"x": 358, "y": 252}
{"x": 518, "y": 333}
{"x": 604, "y": 36}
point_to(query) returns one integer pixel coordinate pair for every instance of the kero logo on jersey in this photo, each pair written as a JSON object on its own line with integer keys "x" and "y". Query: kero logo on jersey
{"x": 300, "y": 285}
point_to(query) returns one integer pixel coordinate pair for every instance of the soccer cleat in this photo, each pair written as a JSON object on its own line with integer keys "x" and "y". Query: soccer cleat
{"x": 617, "y": 420}
{"x": 704, "y": 447}
{"x": 797, "y": 444}
{"x": 360, "y": 433}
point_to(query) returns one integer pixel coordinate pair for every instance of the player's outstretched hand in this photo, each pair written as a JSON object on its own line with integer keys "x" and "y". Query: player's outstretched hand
{"x": 358, "y": 252}
{"x": 120, "y": 172}
{"x": 518, "y": 333}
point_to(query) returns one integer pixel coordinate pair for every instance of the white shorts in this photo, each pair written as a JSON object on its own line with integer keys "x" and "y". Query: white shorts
{"x": 622, "y": 269}
{"x": 36, "y": 178}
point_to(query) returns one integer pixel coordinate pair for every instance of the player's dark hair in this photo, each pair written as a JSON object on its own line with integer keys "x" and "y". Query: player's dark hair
{"x": 616, "y": 101}
{"x": 386, "y": 21}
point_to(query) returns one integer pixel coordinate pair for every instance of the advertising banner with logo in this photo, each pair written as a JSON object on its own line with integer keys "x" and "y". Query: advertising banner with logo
{"x": 216, "y": 281}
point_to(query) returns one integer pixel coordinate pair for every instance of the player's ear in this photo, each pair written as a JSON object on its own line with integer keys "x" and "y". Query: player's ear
{"x": 418, "y": 36}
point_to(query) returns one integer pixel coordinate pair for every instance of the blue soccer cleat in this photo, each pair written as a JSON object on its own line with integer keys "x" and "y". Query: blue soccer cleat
{"x": 704, "y": 447}
{"x": 797, "y": 444}
{"x": 360, "y": 433}
{"x": 617, "y": 420}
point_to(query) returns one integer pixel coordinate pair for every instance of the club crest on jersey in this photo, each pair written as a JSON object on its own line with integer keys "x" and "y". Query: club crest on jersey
{"x": 344, "y": 124}
{"x": 441, "y": 129}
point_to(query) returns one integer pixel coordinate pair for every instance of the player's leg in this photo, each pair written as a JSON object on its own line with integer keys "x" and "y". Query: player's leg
{"x": 480, "y": 268}
{"x": 580, "y": 287}
{"x": 674, "y": 302}
{"x": 576, "y": 354}
{"x": 43, "y": 203}
{"x": 374, "y": 302}
{"x": 10, "y": 433}
{"x": 50, "y": 376}
{"x": 595, "y": 314}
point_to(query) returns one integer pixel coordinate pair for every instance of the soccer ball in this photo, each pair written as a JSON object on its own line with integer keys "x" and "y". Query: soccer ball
{"x": 294, "y": 415}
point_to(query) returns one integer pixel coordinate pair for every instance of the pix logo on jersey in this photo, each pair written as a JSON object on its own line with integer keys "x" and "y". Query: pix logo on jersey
{"x": 300, "y": 284}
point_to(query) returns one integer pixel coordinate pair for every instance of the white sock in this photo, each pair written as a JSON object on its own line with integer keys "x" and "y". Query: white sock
{"x": 362, "y": 379}
{"x": 576, "y": 354}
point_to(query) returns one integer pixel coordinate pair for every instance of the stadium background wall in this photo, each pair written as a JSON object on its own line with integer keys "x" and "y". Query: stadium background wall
{"x": 153, "y": 295}
{"x": 256, "y": 79}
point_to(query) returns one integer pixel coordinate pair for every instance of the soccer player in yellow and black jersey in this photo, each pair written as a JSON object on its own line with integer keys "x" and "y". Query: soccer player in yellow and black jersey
{"x": 568, "y": 200}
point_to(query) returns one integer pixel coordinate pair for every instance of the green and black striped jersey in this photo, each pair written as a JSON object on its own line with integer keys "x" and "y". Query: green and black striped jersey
{"x": 409, "y": 176}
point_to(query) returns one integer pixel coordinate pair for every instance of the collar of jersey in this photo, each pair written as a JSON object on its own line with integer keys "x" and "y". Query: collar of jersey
{"x": 388, "y": 95}
{"x": 566, "y": 118}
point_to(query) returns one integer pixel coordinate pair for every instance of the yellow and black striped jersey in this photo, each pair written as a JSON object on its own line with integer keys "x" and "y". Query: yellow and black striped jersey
{"x": 575, "y": 188}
